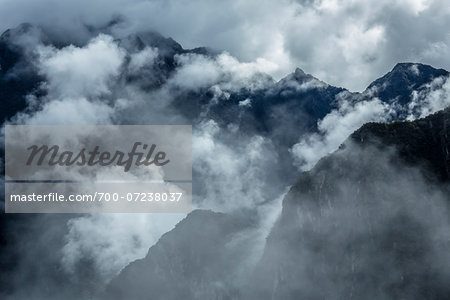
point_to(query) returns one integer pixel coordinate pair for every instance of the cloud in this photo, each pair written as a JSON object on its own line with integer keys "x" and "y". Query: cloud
{"x": 335, "y": 127}
{"x": 61, "y": 112}
{"x": 111, "y": 241}
{"x": 199, "y": 71}
{"x": 80, "y": 89}
{"x": 335, "y": 40}
{"x": 85, "y": 85}
{"x": 233, "y": 176}
{"x": 434, "y": 97}
{"x": 74, "y": 71}
{"x": 141, "y": 59}
{"x": 77, "y": 81}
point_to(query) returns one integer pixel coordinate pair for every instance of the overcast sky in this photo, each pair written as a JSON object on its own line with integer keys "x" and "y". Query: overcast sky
{"x": 347, "y": 43}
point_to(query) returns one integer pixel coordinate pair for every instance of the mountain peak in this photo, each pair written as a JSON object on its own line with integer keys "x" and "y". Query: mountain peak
{"x": 300, "y": 76}
{"x": 416, "y": 69}
{"x": 403, "y": 79}
{"x": 299, "y": 72}
{"x": 404, "y": 66}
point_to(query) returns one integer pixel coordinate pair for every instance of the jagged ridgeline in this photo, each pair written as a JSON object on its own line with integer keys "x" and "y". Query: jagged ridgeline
{"x": 279, "y": 109}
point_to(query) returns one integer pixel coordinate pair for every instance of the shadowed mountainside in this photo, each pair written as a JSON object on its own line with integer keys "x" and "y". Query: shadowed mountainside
{"x": 198, "y": 259}
{"x": 369, "y": 221}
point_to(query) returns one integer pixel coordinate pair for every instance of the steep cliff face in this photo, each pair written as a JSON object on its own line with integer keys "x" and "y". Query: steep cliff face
{"x": 369, "y": 221}
{"x": 199, "y": 259}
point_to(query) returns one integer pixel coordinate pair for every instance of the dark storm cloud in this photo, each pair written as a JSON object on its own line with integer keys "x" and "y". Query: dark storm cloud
{"x": 335, "y": 40}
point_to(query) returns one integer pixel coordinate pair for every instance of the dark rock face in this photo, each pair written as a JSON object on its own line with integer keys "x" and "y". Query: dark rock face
{"x": 423, "y": 142}
{"x": 18, "y": 76}
{"x": 196, "y": 260}
{"x": 398, "y": 84}
{"x": 369, "y": 221}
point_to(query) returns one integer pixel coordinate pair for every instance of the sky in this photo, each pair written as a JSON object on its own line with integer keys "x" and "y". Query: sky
{"x": 346, "y": 43}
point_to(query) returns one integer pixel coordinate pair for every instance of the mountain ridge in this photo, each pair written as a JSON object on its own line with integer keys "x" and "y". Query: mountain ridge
{"x": 374, "y": 192}
{"x": 295, "y": 91}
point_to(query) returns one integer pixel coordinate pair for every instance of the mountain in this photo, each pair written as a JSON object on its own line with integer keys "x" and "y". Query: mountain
{"x": 198, "y": 259}
{"x": 402, "y": 80}
{"x": 369, "y": 221}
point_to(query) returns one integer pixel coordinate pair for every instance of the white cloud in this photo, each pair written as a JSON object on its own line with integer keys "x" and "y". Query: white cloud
{"x": 342, "y": 42}
{"x": 224, "y": 72}
{"x": 196, "y": 71}
{"x": 70, "y": 111}
{"x": 111, "y": 241}
{"x": 246, "y": 103}
{"x": 143, "y": 58}
{"x": 335, "y": 127}
{"x": 233, "y": 175}
{"x": 75, "y": 72}
{"x": 434, "y": 97}
{"x": 416, "y": 6}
